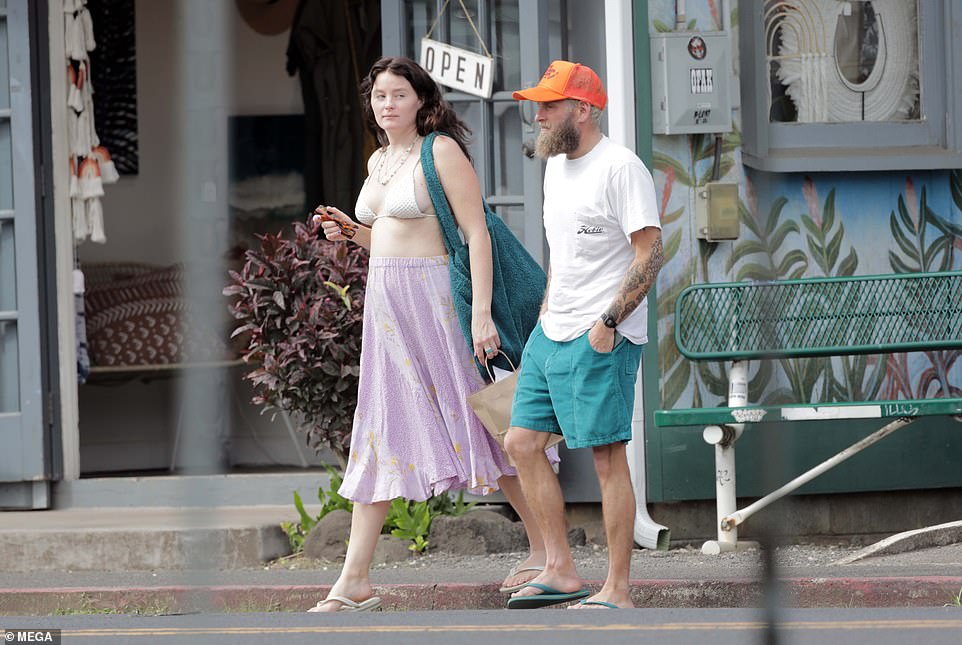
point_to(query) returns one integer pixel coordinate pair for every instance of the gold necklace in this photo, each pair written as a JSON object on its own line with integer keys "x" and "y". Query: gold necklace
{"x": 397, "y": 166}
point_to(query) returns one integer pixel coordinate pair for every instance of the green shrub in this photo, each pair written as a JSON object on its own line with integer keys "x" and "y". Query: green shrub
{"x": 405, "y": 519}
{"x": 409, "y": 521}
{"x": 330, "y": 500}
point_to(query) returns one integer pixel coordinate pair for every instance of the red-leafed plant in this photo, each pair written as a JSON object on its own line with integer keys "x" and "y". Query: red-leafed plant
{"x": 300, "y": 301}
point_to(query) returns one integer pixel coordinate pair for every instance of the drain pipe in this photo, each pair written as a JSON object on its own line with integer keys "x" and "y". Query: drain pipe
{"x": 724, "y": 438}
{"x": 620, "y": 81}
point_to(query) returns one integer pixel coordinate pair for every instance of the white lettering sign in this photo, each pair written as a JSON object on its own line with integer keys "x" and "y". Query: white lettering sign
{"x": 457, "y": 68}
{"x": 702, "y": 81}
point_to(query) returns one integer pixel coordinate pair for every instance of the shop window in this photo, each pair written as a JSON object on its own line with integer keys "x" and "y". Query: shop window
{"x": 851, "y": 85}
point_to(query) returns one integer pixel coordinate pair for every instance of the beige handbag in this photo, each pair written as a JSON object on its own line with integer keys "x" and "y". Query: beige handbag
{"x": 492, "y": 405}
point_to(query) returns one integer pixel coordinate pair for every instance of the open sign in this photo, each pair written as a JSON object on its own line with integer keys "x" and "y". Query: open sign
{"x": 457, "y": 68}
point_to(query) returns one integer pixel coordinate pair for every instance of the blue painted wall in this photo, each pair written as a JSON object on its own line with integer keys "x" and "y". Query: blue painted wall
{"x": 803, "y": 225}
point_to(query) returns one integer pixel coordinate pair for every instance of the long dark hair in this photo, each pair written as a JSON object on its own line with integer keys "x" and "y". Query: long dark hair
{"x": 435, "y": 115}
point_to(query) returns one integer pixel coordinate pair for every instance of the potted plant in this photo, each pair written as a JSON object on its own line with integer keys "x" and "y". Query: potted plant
{"x": 300, "y": 303}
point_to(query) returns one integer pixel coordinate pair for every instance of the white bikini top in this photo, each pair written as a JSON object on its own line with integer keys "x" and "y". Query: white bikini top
{"x": 400, "y": 201}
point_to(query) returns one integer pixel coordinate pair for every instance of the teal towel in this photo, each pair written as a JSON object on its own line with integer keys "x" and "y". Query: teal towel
{"x": 518, "y": 283}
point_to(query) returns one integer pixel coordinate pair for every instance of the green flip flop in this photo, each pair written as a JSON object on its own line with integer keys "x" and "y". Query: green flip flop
{"x": 548, "y": 596}
{"x": 599, "y": 603}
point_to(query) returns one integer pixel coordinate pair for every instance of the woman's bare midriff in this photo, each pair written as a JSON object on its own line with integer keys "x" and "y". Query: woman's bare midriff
{"x": 418, "y": 237}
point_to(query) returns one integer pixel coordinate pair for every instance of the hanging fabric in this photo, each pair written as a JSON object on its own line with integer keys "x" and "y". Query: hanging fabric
{"x": 90, "y": 163}
{"x": 325, "y": 40}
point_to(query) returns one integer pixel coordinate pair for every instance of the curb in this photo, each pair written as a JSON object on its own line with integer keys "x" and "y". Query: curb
{"x": 919, "y": 591}
{"x": 924, "y": 538}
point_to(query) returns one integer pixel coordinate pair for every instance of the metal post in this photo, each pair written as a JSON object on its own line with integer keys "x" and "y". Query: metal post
{"x": 734, "y": 518}
{"x": 723, "y": 438}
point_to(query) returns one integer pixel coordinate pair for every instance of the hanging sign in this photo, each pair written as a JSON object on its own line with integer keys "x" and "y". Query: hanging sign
{"x": 457, "y": 68}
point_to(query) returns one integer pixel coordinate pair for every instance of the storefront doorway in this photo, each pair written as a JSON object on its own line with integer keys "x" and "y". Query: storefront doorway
{"x": 523, "y": 37}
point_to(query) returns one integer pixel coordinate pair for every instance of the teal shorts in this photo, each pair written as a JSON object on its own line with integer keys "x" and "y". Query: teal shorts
{"x": 568, "y": 388}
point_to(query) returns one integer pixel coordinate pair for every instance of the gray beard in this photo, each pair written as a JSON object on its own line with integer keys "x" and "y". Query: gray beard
{"x": 562, "y": 140}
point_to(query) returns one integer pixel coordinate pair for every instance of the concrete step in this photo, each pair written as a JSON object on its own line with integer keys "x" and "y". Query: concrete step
{"x": 179, "y": 491}
{"x": 141, "y": 539}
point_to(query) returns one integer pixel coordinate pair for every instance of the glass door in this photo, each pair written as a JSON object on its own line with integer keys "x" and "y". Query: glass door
{"x": 503, "y": 130}
{"x": 23, "y": 434}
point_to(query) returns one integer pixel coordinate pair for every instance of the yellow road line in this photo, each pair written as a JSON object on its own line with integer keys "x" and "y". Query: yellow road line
{"x": 376, "y": 629}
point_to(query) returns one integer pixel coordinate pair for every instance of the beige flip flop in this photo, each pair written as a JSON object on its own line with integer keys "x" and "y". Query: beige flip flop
{"x": 349, "y": 605}
{"x": 520, "y": 586}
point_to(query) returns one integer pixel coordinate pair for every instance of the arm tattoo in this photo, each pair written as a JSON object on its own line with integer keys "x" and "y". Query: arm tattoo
{"x": 638, "y": 282}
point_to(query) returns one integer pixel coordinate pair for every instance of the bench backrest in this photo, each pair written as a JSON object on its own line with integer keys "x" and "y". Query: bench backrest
{"x": 820, "y": 316}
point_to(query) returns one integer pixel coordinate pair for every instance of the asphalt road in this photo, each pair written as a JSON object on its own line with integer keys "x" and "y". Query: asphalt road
{"x": 534, "y": 627}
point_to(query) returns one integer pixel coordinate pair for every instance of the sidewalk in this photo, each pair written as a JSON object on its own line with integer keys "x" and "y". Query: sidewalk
{"x": 178, "y": 560}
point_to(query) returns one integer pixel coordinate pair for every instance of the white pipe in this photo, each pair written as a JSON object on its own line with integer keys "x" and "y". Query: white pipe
{"x": 680, "y": 18}
{"x": 647, "y": 533}
{"x": 738, "y": 385}
{"x": 620, "y": 83}
{"x": 620, "y": 73}
{"x": 725, "y": 502}
{"x": 736, "y": 518}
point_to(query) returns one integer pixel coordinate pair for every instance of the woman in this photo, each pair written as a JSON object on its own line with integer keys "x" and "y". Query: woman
{"x": 414, "y": 434}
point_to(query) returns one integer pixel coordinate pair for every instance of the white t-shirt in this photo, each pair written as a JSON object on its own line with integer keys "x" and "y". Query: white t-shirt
{"x": 592, "y": 205}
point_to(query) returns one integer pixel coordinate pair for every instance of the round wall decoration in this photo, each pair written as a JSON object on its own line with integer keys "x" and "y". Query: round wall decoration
{"x": 268, "y": 17}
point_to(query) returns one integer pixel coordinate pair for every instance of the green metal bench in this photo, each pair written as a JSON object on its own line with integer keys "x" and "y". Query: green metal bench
{"x": 740, "y": 322}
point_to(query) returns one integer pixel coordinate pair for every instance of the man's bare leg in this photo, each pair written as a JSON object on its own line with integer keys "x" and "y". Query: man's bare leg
{"x": 511, "y": 487}
{"x": 540, "y": 485}
{"x": 618, "y": 508}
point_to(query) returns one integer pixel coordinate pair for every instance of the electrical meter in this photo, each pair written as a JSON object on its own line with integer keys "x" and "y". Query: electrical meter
{"x": 691, "y": 82}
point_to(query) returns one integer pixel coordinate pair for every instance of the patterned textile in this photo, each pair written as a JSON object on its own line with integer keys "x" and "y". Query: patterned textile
{"x": 136, "y": 315}
{"x": 414, "y": 433}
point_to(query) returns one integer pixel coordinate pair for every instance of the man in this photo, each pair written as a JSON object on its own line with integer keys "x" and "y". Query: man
{"x": 580, "y": 363}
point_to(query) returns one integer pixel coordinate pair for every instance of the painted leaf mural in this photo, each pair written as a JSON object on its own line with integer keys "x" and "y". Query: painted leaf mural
{"x": 683, "y": 268}
{"x": 910, "y": 223}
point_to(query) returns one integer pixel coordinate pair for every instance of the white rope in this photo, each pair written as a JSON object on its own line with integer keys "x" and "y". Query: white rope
{"x": 809, "y": 70}
{"x": 467, "y": 14}
{"x": 435, "y": 23}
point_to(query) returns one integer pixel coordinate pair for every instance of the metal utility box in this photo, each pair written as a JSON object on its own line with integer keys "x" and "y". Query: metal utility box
{"x": 691, "y": 82}
{"x": 716, "y": 211}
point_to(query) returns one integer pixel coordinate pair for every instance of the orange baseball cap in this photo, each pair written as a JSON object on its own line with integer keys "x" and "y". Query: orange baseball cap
{"x": 565, "y": 80}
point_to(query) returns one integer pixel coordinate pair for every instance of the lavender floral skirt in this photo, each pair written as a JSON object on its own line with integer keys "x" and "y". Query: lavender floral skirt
{"x": 414, "y": 433}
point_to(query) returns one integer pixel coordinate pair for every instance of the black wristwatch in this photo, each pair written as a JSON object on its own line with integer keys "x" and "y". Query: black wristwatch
{"x": 609, "y": 321}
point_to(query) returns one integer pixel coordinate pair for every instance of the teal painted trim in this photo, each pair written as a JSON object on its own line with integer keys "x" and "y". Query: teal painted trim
{"x": 642, "y": 56}
{"x": 810, "y": 412}
{"x": 650, "y": 372}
